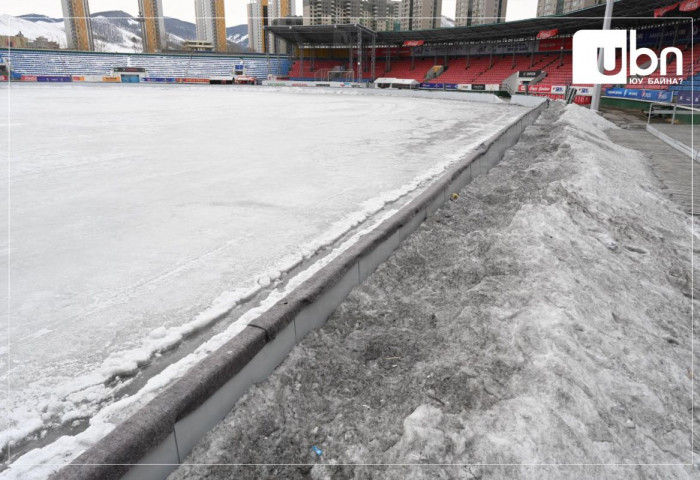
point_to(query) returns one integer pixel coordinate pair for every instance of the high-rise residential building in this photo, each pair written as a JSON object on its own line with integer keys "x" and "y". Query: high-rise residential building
{"x": 277, "y": 11}
{"x": 152, "y": 26}
{"x": 318, "y": 12}
{"x": 420, "y": 14}
{"x": 76, "y": 17}
{"x": 479, "y": 12}
{"x": 375, "y": 14}
{"x": 258, "y": 19}
{"x": 282, "y": 9}
{"x": 211, "y": 23}
{"x": 329, "y": 12}
{"x": 558, "y": 7}
{"x": 384, "y": 14}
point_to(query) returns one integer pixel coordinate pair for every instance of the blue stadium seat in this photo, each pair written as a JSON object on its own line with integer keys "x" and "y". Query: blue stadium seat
{"x": 30, "y": 62}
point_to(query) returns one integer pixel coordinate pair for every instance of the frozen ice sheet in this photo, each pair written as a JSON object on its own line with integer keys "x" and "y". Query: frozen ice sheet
{"x": 140, "y": 213}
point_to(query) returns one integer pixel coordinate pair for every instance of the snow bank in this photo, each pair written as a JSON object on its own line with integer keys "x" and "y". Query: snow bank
{"x": 537, "y": 327}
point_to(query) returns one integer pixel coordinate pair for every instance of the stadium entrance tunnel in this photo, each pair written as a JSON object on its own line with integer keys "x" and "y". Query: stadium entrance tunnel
{"x": 154, "y": 441}
{"x": 130, "y": 78}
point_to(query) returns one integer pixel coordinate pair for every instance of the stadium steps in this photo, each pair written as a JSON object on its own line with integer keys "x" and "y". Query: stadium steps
{"x": 672, "y": 167}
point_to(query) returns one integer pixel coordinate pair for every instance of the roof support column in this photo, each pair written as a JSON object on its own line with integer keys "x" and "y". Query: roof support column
{"x": 359, "y": 54}
{"x": 374, "y": 58}
{"x": 302, "y": 62}
{"x": 661, "y": 37}
{"x": 675, "y": 35}
{"x": 300, "y": 46}
{"x": 561, "y": 56}
{"x": 597, "y": 90}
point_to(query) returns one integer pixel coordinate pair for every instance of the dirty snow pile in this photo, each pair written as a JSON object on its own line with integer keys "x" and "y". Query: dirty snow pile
{"x": 537, "y": 327}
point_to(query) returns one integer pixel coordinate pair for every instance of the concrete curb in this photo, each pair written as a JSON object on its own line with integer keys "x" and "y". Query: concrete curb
{"x": 681, "y": 147}
{"x": 156, "y": 439}
{"x": 458, "y": 96}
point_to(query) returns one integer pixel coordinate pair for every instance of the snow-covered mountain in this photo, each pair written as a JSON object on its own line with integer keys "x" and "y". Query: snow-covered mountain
{"x": 238, "y": 35}
{"x": 447, "y": 22}
{"x": 113, "y": 31}
{"x": 39, "y": 26}
{"x": 116, "y": 31}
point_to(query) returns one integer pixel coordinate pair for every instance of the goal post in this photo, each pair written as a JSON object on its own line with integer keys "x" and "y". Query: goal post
{"x": 341, "y": 76}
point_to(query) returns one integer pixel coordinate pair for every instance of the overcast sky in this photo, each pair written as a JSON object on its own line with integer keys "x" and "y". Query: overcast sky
{"x": 235, "y": 9}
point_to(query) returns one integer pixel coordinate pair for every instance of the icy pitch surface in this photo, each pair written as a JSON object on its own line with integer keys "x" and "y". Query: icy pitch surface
{"x": 542, "y": 318}
{"x": 134, "y": 210}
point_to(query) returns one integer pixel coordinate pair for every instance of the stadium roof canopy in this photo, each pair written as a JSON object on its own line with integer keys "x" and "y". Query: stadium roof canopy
{"x": 627, "y": 14}
{"x": 324, "y": 34}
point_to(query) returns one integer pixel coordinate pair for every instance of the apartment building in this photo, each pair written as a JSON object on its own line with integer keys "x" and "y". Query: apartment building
{"x": 211, "y": 23}
{"x": 279, "y": 12}
{"x": 76, "y": 17}
{"x": 258, "y": 18}
{"x": 420, "y": 14}
{"x": 479, "y": 12}
{"x": 152, "y": 26}
{"x": 374, "y": 14}
{"x": 558, "y": 7}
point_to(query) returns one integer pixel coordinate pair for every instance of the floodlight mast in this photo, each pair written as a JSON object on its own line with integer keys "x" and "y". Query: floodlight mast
{"x": 597, "y": 90}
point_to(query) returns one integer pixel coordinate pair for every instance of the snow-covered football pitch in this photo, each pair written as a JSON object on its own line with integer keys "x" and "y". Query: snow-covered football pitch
{"x": 138, "y": 216}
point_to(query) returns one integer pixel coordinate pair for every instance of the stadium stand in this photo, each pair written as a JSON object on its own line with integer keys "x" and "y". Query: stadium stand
{"x": 486, "y": 69}
{"x": 487, "y": 57}
{"x": 559, "y": 71}
{"x": 458, "y": 72}
{"x": 41, "y": 62}
{"x": 480, "y": 70}
{"x": 691, "y": 72}
{"x": 401, "y": 68}
{"x": 688, "y": 85}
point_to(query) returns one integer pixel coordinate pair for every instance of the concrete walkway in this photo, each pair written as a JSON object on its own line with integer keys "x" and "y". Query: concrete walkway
{"x": 686, "y": 134}
{"x": 676, "y": 171}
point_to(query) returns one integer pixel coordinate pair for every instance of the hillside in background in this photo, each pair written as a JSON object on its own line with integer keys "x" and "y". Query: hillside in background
{"x": 238, "y": 35}
{"x": 114, "y": 31}
{"x": 446, "y": 22}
